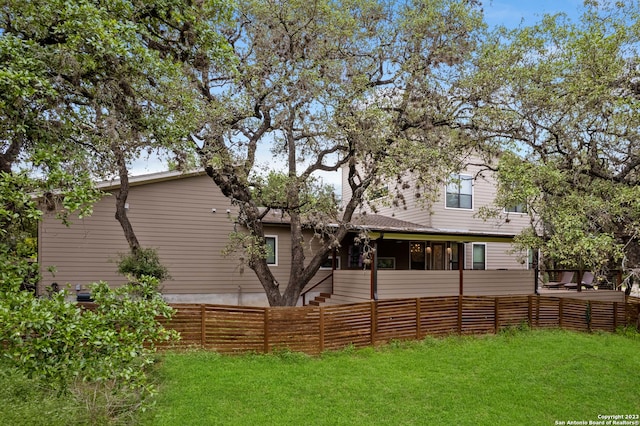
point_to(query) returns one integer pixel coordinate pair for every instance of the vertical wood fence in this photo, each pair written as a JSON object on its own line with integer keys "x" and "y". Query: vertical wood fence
{"x": 231, "y": 329}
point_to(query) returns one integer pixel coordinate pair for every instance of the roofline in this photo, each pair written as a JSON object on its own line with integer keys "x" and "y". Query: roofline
{"x": 107, "y": 185}
{"x": 435, "y": 235}
{"x": 423, "y": 234}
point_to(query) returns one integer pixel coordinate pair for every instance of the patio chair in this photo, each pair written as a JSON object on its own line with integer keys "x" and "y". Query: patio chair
{"x": 565, "y": 278}
{"x": 586, "y": 282}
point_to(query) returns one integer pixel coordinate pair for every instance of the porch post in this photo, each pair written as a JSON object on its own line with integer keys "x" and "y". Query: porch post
{"x": 579, "y": 279}
{"x": 461, "y": 266}
{"x": 374, "y": 272}
{"x": 536, "y": 270}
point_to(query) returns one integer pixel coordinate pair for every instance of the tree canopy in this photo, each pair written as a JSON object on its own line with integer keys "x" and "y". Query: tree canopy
{"x": 561, "y": 100}
{"x": 320, "y": 85}
{"x": 84, "y": 91}
{"x": 376, "y": 88}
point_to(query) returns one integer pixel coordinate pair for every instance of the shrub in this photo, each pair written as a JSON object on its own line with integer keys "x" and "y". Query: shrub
{"x": 141, "y": 262}
{"x": 95, "y": 355}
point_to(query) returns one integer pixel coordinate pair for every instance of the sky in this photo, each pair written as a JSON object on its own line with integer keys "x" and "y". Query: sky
{"x": 510, "y": 13}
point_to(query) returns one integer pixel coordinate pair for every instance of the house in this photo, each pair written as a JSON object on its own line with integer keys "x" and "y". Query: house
{"x": 185, "y": 217}
{"x": 410, "y": 253}
{"x": 440, "y": 249}
{"x": 443, "y": 248}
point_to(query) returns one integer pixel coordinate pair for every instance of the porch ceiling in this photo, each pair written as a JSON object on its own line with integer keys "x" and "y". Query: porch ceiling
{"x": 461, "y": 238}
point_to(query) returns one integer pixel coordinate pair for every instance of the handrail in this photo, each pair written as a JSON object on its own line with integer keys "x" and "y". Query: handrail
{"x": 304, "y": 294}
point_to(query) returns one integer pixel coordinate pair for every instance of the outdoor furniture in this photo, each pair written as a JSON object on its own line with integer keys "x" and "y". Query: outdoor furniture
{"x": 565, "y": 278}
{"x": 586, "y": 282}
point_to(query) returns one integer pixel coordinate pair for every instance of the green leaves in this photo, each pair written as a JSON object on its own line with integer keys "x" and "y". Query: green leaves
{"x": 559, "y": 94}
{"x": 143, "y": 262}
{"x": 60, "y": 342}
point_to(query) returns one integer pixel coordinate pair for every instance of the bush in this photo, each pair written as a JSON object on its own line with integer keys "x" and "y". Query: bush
{"x": 95, "y": 355}
{"x": 141, "y": 262}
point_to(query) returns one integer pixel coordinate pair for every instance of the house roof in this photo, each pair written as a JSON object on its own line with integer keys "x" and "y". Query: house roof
{"x": 390, "y": 228}
{"x": 378, "y": 226}
{"x": 384, "y": 227}
{"x": 380, "y": 222}
{"x": 149, "y": 178}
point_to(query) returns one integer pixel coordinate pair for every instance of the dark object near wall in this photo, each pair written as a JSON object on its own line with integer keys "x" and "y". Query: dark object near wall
{"x": 84, "y": 297}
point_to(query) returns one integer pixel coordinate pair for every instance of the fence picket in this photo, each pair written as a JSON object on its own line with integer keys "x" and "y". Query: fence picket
{"x": 312, "y": 330}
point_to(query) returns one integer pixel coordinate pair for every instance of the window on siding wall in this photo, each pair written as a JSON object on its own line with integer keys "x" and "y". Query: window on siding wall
{"x": 328, "y": 263}
{"x": 459, "y": 192}
{"x": 520, "y": 208}
{"x": 272, "y": 249}
{"x": 531, "y": 264}
{"x": 479, "y": 256}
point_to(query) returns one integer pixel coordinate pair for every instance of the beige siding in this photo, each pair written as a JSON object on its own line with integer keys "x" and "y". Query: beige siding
{"x": 353, "y": 284}
{"x": 346, "y": 189}
{"x": 498, "y": 283}
{"x": 439, "y": 216}
{"x": 502, "y": 256}
{"x": 414, "y": 209}
{"x": 176, "y": 218}
{"x": 402, "y": 284}
{"x": 498, "y": 256}
{"x": 484, "y": 186}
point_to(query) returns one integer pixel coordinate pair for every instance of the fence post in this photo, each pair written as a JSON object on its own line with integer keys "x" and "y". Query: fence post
{"x": 418, "y": 315}
{"x": 266, "y": 330}
{"x": 203, "y": 326}
{"x": 560, "y": 311}
{"x": 374, "y": 323}
{"x": 496, "y": 315}
{"x": 460, "y": 314}
{"x": 321, "y": 343}
{"x": 530, "y": 310}
{"x": 615, "y": 315}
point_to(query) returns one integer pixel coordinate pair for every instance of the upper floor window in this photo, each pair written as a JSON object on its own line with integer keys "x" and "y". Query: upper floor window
{"x": 460, "y": 192}
{"x": 379, "y": 192}
{"x": 272, "y": 250}
{"x": 520, "y": 208}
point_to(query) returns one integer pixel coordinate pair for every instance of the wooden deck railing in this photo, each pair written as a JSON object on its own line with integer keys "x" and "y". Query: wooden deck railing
{"x": 230, "y": 329}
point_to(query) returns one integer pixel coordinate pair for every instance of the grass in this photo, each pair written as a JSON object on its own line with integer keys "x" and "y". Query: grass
{"x": 27, "y": 402}
{"x": 534, "y": 377}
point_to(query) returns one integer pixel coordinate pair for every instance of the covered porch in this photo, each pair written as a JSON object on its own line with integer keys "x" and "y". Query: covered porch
{"x": 398, "y": 259}
{"x": 351, "y": 286}
{"x": 403, "y": 260}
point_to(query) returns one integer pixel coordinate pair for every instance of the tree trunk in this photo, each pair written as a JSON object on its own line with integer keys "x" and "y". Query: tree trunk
{"x": 121, "y": 201}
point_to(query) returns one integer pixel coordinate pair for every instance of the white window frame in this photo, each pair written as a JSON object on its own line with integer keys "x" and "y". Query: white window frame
{"x": 330, "y": 260}
{"x": 460, "y": 177}
{"x": 275, "y": 249}
{"x": 531, "y": 253}
{"x": 473, "y": 246}
{"x": 524, "y": 208}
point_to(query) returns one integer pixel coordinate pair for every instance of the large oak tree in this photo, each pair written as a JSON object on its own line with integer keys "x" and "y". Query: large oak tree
{"x": 562, "y": 99}
{"x": 318, "y": 85}
{"x": 84, "y": 90}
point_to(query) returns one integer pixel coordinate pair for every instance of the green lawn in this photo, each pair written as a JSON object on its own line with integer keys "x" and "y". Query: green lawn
{"x": 523, "y": 378}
